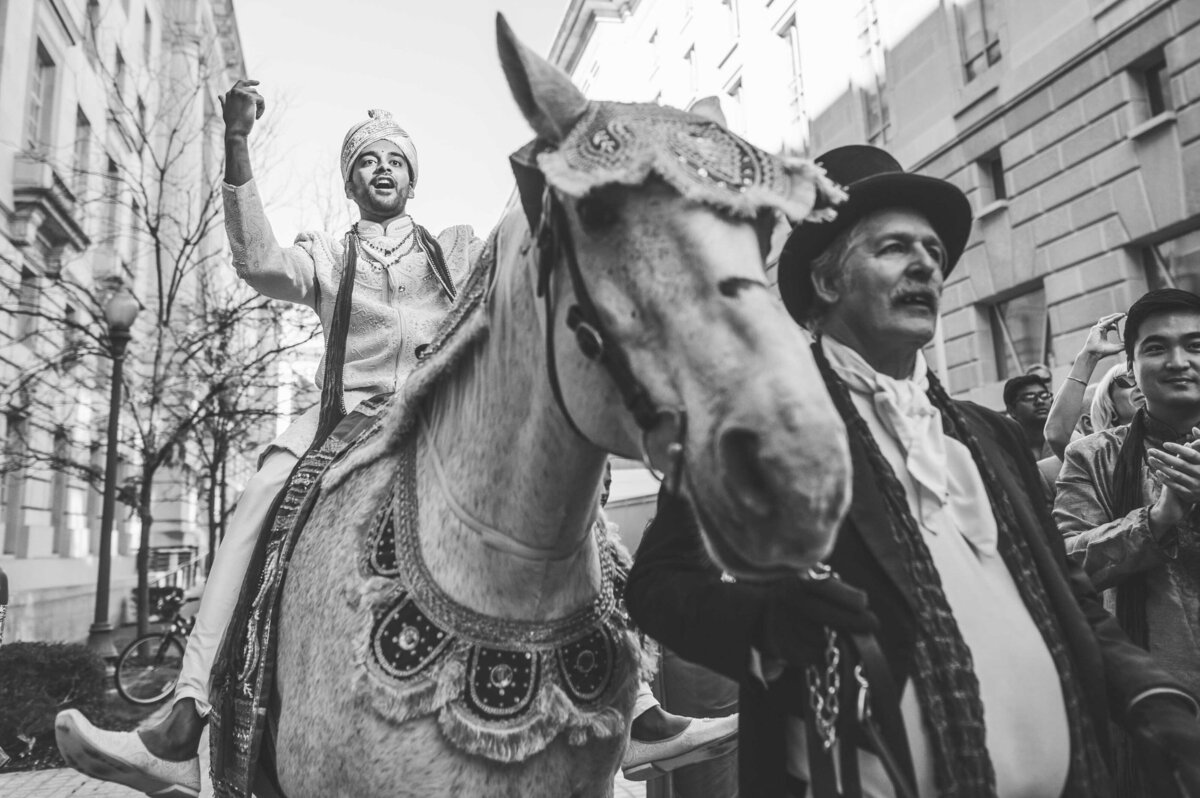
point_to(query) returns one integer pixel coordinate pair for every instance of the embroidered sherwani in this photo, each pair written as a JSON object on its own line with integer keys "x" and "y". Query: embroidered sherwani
{"x": 396, "y": 306}
{"x": 397, "y": 303}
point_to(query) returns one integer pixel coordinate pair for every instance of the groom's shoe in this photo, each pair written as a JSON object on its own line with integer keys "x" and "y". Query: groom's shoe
{"x": 701, "y": 740}
{"x": 121, "y": 757}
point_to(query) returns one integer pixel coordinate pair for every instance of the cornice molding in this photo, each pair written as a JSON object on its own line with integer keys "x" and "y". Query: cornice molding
{"x": 578, "y": 23}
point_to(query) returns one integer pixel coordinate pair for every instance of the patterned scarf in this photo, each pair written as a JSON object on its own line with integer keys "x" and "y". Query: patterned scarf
{"x": 944, "y": 676}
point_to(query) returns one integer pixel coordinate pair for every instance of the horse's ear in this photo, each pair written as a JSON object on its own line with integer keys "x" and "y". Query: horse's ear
{"x": 710, "y": 108}
{"x": 548, "y": 98}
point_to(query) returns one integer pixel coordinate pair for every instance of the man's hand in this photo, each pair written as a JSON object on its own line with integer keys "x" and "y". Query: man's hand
{"x": 1167, "y": 511}
{"x": 240, "y": 106}
{"x": 1177, "y": 467}
{"x": 1166, "y": 736}
{"x": 799, "y": 610}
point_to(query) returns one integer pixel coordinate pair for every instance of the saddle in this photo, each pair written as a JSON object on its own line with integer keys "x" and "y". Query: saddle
{"x": 243, "y": 676}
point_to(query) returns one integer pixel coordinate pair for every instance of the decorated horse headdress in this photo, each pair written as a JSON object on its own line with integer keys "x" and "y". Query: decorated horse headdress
{"x": 626, "y": 143}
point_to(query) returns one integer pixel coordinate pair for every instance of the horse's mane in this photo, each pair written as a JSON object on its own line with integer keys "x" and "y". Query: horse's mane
{"x": 462, "y": 331}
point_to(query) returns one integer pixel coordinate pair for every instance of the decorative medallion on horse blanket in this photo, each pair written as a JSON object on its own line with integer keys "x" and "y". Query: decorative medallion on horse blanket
{"x": 502, "y": 689}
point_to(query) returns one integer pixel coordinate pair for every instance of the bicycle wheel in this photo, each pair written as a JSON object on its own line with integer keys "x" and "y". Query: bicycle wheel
{"x": 148, "y": 668}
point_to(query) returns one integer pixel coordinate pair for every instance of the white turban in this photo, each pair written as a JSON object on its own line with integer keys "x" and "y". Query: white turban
{"x": 380, "y": 127}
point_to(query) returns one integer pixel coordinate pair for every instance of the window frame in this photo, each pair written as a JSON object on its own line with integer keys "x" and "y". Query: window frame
{"x": 975, "y": 63}
{"x": 39, "y": 101}
{"x": 1004, "y": 344}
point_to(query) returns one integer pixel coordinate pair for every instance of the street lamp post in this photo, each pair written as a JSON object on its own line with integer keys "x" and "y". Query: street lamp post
{"x": 120, "y": 311}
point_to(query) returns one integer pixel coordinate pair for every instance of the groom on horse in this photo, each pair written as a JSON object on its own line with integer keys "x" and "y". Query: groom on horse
{"x": 403, "y": 282}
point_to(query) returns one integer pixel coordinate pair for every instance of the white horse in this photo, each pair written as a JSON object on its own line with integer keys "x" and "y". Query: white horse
{"x": 450, "y": 624}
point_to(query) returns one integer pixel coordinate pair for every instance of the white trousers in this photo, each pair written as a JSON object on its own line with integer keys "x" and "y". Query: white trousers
{"x": 645, "y": 699}
{"x": 227, "y": 575}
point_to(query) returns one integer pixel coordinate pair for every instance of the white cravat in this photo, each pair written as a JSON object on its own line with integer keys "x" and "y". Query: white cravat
{"x": 905, "y": 410}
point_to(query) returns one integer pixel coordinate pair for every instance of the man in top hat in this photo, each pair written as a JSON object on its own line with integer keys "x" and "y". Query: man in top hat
{"x": 1006, "y": 665}
{"x": 401, "y": 287}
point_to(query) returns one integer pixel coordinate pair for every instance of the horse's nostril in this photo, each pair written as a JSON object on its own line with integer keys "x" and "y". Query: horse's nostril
{"x": 749, "y": 483}
{"x": 732, "y": 286}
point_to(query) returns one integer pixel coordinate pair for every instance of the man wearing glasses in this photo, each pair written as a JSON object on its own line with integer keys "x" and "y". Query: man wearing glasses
{"x": 1027, "y": 399}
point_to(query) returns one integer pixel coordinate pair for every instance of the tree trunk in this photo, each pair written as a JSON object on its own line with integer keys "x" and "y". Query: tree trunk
{"x": 145, "y": 493}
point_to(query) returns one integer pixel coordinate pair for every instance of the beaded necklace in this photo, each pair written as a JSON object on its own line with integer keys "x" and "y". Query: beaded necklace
{"x": 383, "y": 258}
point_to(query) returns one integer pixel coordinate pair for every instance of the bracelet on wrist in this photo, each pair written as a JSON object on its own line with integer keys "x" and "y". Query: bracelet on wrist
{"x": 1084, "y": 383}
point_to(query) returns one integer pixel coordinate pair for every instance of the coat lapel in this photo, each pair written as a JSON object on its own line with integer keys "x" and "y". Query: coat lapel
{"x": 868, "y": 513}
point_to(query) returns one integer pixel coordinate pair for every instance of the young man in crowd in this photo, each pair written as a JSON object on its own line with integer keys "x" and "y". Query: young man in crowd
{"x": 1127, "y": 495}
{"x": 1027, "y": 400}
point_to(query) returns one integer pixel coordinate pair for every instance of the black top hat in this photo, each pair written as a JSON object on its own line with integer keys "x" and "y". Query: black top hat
{"x": 874, "y": 181}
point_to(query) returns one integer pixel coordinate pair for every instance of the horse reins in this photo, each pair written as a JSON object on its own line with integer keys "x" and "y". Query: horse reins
{"x": 553, "y": 237}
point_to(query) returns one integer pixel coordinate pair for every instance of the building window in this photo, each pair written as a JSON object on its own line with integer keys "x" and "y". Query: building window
{"x": 874, "y": 82}
{"x": 693, "y": 67}
{"x": 28, "y": 303}
{"x": 1152, "y": 86}
{"x": 147, "y": 36}
{"x": 737, "y": 108}
{"x": 112, "y": 201}
{"x": 71, "y": 337}
{"x": 1174, "y": 263}
{"x": 83, "y": 151}
{"x": 91, "y": 30}
{"x": 58, "y": 492}
{"x": 585, "y": 86}
{"x": 119, "y": 72}
{"x": 797, "y": 133}
{"x": 135, "y": 235}
{"x": 1020, "y": 332}
{"x": 14, "y": 478}
{"x": 978, "y": 35}
{"x": 991, "y": 178}
{"x": 729, "y": 10}
{"x": 41, "y": 100}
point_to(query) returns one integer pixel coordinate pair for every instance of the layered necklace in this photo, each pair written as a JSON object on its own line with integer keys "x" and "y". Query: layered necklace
{"x": 385, "y": 251}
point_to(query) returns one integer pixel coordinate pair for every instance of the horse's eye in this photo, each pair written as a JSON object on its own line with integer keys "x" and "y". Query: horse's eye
{"x": 596, "y": 214}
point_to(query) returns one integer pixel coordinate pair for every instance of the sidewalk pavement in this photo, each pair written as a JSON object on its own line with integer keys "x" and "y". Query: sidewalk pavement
{"x": 68, "y": 783}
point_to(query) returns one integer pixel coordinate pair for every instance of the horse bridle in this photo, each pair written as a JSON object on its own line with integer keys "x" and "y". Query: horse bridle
{"x": 553, "y": 236}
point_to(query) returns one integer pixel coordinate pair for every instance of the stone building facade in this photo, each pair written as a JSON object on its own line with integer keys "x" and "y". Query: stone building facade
{"x": 79, "y": 80}
{"x": 1074, "y": 127}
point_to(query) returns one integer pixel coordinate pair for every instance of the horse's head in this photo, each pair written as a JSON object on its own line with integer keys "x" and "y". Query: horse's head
{"x": 654, "y": 226}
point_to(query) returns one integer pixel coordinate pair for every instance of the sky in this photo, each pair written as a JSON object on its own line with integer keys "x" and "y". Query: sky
{"x": 432, "y": 63}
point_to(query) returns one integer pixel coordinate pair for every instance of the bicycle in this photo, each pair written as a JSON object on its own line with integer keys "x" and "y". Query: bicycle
{"x": 149, "y": 667}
